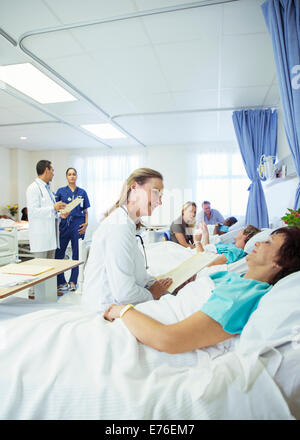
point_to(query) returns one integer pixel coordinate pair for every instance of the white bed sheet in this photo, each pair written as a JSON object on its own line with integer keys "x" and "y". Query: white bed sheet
{"x": 62, "y": 362}
{"x": 166, "y": 255}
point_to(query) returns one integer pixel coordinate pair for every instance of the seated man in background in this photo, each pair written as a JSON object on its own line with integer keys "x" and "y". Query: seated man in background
{"x": 222, "y": 228}
{"x": 208, "y": 215}
{"x": 229, "y": 252}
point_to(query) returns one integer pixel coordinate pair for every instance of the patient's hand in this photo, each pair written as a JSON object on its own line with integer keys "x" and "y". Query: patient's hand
{"x": 205, "y": 233}
{"x": 197, "y": 235}
{"x": 159, "y": 287}
{"x": 113, "y": 312}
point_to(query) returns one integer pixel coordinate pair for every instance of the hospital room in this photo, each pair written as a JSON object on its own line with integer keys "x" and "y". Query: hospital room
{"x": 150, "y": 211}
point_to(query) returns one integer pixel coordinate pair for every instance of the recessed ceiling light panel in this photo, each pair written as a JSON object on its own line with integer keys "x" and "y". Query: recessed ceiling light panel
{"x": 104, "y": 131}
{"x": 32, "y": 82}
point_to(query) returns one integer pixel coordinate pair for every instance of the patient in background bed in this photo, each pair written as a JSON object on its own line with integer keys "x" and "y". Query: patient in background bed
{"x": 232, "y": 300}
{"x": 24, "y": 214}
{"x": 229, "y": 252}
{"x": 222, "y": 228}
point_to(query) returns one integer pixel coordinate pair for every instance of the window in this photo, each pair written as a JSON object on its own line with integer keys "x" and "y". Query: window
{"x": 222, "y": 179}
{"x": 102, "y": 177}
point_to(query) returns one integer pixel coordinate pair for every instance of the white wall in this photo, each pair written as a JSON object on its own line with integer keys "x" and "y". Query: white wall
{"x": 5, "y": 179}
{"x": 17, "y": 171}
{"x": 280, "y": 193}
{"x": 283, "y": 148}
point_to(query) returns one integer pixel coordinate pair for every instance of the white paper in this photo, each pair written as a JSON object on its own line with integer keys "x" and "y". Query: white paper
{"x": 188, "y": 268}
{"x": 9, "y": 280}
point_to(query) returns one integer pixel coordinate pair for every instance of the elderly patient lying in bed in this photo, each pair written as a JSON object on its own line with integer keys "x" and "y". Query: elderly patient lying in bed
{"x": 229, "y": 252}
{"x": 232, "y": 300}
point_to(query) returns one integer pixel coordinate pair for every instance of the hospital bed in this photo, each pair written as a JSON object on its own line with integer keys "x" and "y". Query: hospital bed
{"x": 60, "y": 361}
{"x": 8, "y": 246}
{"x": 83, "y": 253}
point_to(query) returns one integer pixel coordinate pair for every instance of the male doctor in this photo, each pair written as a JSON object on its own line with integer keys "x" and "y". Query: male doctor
{"x": 43, "y": 215}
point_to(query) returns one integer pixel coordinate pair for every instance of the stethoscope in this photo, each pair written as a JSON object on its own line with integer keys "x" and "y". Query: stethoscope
{"x": 141, "y": 240}
{"x": 51, "y": 195}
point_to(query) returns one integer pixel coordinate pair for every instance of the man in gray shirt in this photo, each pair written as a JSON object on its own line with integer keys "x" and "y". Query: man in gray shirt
{"x": 208, "y": 215}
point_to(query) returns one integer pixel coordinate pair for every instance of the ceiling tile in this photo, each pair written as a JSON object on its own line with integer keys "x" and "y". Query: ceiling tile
{"x": 88, "y": 10}
{"x": 244, "y": 17}
{"x": 184, "y": 25}
{"x": 243, "y": 96}
{"x": 196, "y": 99}
{"x": 116, "y": 35}
{"x": 18, "y": 17}
{"x": 10, "y": 54}
{"x": 172, "y": 129}
{"x": 46, "y": 46}
{"x": 189, "y": 65}
{"x": 247, "y": 61}
{"x": 46, "y": 136}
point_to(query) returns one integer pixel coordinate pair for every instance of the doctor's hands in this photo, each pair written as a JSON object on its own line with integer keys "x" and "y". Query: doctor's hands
{"x": 59, "y": 205}
{"x": 64, "y": 215}
{"x": 159, "y": 288}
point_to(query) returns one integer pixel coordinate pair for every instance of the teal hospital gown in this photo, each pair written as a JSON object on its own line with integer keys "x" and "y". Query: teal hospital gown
{"x": 230, "y": 251}
{"x": 233, "y": 300}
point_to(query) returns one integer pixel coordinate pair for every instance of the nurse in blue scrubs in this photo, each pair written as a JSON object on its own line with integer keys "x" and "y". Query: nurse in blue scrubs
{"x": 73, "y": 227}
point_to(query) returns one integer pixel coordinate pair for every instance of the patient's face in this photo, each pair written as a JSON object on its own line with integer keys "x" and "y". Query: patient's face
{"x": 265, "y": 252}
{"x": 239, "y": 239}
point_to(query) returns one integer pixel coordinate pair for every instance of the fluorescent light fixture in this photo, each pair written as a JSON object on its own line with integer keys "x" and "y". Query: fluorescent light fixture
{"x": 23, "y": 138}
{"x": 32, "y": 82}
{"x": 104, "y": 131}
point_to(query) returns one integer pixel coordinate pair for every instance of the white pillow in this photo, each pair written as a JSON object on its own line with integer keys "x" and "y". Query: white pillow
{"x": 238, "y": 225}
{"x": 276, "y": 319}
{"x": 261, "y": 236}
{"x": 229, "y": 236}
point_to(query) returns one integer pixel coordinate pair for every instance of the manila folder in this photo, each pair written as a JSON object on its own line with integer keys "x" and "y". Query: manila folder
{"x": 188, "y": 268}
{"x": 70, "y": 206}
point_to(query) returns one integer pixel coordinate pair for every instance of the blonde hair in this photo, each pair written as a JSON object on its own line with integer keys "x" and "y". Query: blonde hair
{"x": 140, "y": 176}
{"x": 250, "y": 231}
{"x": 187, "y": 205}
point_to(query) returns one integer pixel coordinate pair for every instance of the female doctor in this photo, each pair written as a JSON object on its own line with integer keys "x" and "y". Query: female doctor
{"x": 115, "y": 271}
{"x": 72, "y": 228}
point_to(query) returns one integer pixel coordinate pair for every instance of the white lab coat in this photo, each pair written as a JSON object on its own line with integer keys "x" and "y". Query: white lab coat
{"x": 43, "y": 225}
{"x": 115, "y": 272}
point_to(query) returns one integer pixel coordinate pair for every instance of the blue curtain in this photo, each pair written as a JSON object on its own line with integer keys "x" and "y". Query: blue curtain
{"x": 256, "y": 132}
{"x": 283, "y": 20}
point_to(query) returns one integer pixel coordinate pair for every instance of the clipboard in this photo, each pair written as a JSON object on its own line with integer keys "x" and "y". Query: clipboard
{"x": 70, "y": 206}
{"x": 188, "y": 268}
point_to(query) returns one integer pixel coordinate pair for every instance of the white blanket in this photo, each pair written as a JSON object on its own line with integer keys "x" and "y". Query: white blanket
{"x": 61, "y": 362}
{"x": 165, "y": 256}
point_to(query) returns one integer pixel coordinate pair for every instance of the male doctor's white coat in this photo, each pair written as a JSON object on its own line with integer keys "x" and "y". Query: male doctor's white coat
{"x": 43, "y": 224}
